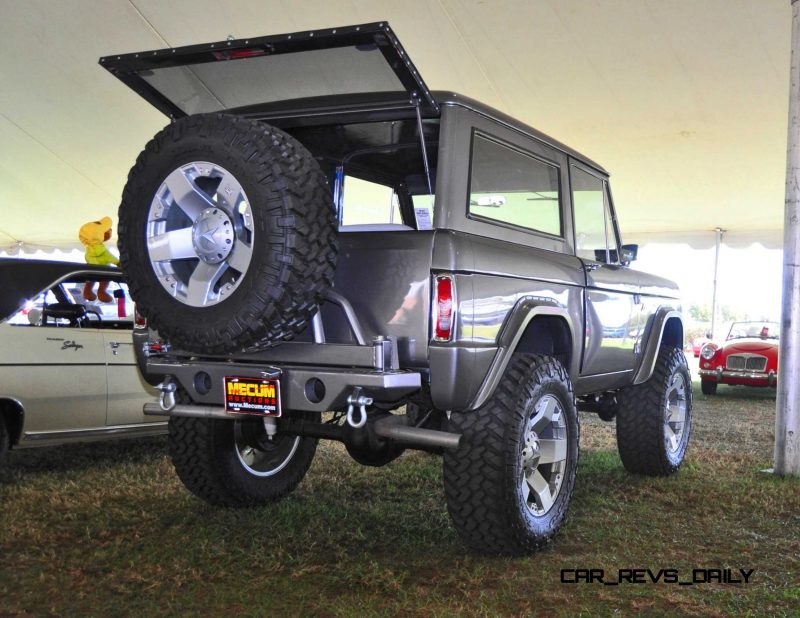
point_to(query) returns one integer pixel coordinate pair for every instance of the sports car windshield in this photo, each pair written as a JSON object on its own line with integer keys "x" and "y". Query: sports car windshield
{"x": 754, "y": 330}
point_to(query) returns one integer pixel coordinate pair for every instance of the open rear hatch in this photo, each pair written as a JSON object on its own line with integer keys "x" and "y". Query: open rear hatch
{"x": 244, "y": 74}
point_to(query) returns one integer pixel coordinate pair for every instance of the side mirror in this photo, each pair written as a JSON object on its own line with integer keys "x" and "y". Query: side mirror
{"x": 629, "y": 253}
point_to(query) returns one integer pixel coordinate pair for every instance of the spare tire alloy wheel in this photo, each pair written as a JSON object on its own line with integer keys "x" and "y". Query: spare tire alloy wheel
{"x": 227, "y": 234}
{"x": 215, "y": 227}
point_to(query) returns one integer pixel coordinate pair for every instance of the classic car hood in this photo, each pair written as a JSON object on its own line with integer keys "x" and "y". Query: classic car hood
{"x": 750, "y": 345}
{"x": 241, "y": 73}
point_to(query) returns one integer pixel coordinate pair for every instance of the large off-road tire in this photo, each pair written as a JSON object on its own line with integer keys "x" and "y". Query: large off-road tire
{"x": 233, "y": 463}
{"x": 654, "y": 419}
{"x": 708, "y": 387}
{"x": 227, "y": 234}
{"x": 509, "y": 483}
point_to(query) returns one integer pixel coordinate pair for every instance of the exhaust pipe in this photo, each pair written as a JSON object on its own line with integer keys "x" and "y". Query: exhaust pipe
{"x": 389, "y": 427}
{"x": 394, "y": 428}
{"x": 155, "y": 409}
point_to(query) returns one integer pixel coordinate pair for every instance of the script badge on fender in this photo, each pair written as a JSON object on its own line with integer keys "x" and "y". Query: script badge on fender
{"x": 259, "y": 396}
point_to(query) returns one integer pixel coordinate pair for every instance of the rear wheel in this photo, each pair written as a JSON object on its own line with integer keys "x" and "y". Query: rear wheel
{"x": 509, "y": 483}
{"x": 234, "y": 462}
{"x": 654, "y": 419}
{"x": 708, "y": 387}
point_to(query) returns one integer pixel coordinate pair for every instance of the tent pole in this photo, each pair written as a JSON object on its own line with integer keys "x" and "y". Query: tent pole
{"x": 787, "y": 404}
{"x": 714, "y": 288}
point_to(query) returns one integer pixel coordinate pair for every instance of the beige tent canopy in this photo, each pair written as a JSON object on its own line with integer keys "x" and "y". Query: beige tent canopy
{"x": 685, "y": 102}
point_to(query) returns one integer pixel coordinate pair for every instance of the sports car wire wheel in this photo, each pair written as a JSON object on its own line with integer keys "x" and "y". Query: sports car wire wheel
{"x": 200, "y": 233}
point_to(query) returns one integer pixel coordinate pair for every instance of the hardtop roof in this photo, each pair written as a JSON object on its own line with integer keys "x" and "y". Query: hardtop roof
{"x": 348, "y": 103}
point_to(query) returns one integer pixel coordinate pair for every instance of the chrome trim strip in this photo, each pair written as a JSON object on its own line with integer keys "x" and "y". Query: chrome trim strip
{"x": 770, "y": 378}
{"x": 69, "y": 434}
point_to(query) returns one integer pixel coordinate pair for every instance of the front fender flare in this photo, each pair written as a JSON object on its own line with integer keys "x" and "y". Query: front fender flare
{"x": 654, "y": 335}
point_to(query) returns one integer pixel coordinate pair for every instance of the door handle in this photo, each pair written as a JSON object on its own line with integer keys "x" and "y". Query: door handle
{"x": 114, "y": 345}
{"x": 592, "y": 266}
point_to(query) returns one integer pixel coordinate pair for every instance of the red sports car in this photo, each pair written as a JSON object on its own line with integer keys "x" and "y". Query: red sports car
{"x": 698, "y": 343}
{"x": 748, "y": 357}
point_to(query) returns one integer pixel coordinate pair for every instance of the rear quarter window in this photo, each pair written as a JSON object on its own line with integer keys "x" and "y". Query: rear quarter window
{"x": 512, "y": 187}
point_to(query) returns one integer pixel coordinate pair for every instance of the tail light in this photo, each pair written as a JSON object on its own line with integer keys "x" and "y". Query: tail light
{"x": 444, "y": 307}
{"x": 120, "y": 296}
{"x": 139, "y": 321}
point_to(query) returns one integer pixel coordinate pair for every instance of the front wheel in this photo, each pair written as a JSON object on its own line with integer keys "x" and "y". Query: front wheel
{"x": 655, "y": 418}
{"x": 708, "y": 387}
{"x": 509, "y": 483}
{"x": 234, "y": 462}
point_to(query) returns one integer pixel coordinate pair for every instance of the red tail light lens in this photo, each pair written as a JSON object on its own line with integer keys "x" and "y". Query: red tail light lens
{"x": 444, "y": 308}
{"x": 139, "y": 321}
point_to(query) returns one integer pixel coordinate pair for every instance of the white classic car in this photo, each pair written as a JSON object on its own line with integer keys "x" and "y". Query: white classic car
{"x": 67, "y": 367}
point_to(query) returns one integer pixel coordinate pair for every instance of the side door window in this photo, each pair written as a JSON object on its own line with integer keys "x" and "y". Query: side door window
{"x": 611, "y": 320}
{"x": 595, "y": 238}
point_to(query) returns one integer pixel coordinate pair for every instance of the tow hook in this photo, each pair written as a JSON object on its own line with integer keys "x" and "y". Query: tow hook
{"x": 167, "y": 398}
{"x": 356, "y": 399}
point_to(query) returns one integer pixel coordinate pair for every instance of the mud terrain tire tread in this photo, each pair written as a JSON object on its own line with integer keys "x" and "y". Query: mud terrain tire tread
{"x": 640, "y": 418}
{"x": 481, "y": 476}
{"x": 295, "y": 243}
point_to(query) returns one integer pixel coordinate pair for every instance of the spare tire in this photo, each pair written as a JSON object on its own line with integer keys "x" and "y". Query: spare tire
{"x": 227, "y": 234}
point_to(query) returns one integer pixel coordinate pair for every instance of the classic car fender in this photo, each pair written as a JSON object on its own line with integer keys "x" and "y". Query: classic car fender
{"x": 14, "y": 413}
{"x": 665, "y": 327}
{"x": 561, "y": 340}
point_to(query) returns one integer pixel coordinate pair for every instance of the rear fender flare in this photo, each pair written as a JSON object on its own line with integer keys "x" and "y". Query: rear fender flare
{"x": 526, "y": 309}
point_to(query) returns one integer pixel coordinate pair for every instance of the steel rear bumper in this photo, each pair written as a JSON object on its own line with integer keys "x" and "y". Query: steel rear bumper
{"x": 739, "y": 377}
{"x": 296, "y": 393}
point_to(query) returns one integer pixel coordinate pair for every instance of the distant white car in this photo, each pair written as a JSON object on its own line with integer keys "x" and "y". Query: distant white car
{"x": 67, "y": 367}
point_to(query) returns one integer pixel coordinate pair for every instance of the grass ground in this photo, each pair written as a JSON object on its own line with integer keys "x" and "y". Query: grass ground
{"x": 107, "y": 529}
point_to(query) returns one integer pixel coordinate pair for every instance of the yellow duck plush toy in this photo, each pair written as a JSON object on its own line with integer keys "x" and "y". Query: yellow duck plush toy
{"x": 93, "y": 235}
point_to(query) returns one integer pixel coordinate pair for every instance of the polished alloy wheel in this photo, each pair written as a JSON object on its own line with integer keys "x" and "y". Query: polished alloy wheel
{"x": 675, "y": 413}
{"x": 544, "y": 455}
{"x": 200, "y": 234}
{"x": 258, "y": 454}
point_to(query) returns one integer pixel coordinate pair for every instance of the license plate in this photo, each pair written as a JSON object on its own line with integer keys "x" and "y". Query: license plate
{"x": 259, "y": 396}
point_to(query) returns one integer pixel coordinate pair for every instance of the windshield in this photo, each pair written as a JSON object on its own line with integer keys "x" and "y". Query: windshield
{"x": 754, "y": 330}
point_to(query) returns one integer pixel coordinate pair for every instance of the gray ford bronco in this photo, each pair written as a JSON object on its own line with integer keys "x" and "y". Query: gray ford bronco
{"x": 322, "y": 248}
